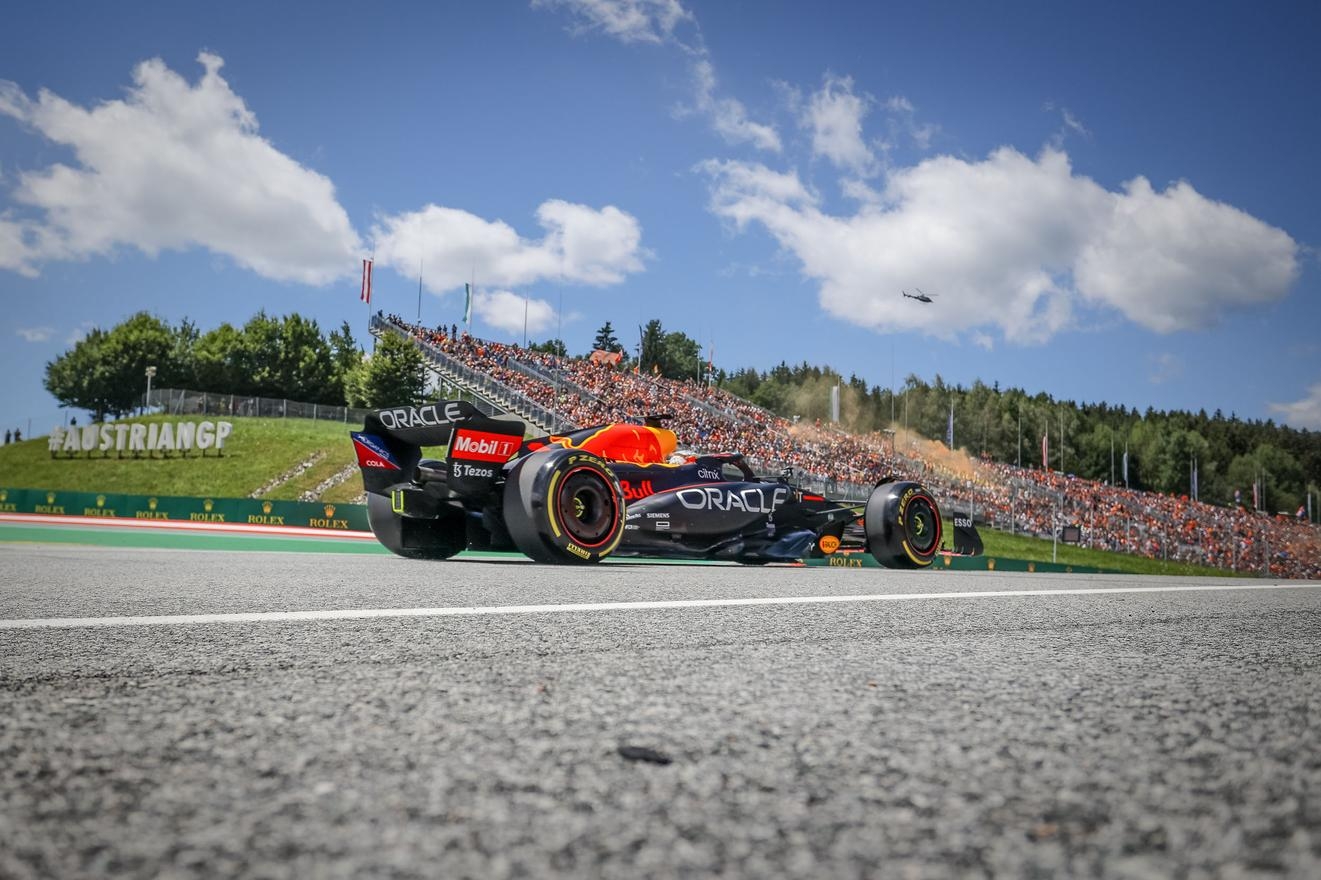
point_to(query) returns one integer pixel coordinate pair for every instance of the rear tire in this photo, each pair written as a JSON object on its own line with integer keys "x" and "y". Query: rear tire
{"x": 564, "y": 506}
{"x": 903, "y": 525}
{"x": 416, "y": 538}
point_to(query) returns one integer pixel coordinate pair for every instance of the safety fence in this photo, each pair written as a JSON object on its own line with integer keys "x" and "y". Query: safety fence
{"x": 180, "y": 401}
{"x": 180, "y": 509}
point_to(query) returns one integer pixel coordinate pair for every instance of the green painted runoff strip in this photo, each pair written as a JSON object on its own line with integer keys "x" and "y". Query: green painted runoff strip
{"x": 21, "y": 533}
{"x": 178, "y": 540}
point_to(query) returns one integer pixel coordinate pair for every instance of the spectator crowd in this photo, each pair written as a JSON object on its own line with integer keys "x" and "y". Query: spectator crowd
{"x": 581, "y": 393}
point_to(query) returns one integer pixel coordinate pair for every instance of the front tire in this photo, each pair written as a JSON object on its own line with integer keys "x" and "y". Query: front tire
{"x": 416, "y": 538}
{"x": 564, "y": 506}
{"x": 903, "y": 525}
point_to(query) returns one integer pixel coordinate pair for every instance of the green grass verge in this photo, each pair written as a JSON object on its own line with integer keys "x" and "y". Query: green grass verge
{"x": 257, "y": 451}
{"x": 1006, "y": 546}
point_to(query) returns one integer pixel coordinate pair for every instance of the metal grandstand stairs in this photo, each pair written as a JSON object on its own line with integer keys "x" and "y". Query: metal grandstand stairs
{"x": 491, "y": 395}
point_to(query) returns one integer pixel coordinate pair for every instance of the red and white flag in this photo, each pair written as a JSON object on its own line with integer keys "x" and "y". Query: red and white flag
{"x": 366, "y": 282}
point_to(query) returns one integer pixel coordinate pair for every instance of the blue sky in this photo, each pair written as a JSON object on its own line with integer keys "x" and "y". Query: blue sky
{"x": 1113, "y": 201}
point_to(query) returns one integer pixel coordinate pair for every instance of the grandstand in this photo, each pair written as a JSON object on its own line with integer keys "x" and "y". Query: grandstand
{"x": 559, "y": 394}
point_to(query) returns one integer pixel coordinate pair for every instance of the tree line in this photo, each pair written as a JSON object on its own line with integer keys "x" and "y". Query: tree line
{"x": 1163, "y": 449}
{"x": 280, "y": 357}
{"x": 1228, "y": 454}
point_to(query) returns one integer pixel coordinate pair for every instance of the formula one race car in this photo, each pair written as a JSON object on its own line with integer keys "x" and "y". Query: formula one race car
{"x": 609, "y": 490}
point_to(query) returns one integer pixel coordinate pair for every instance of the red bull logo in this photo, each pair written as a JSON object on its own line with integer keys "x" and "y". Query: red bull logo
{"x": 636, "y": 491}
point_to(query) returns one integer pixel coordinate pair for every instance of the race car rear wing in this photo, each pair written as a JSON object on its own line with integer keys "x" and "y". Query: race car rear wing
{"x": 389, "y": 446}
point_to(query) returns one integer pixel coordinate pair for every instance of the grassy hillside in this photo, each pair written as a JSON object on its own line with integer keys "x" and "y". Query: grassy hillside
{"x": 257, "y": 452}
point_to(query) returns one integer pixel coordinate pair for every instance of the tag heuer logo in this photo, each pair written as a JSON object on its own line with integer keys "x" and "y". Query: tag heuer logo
{"x": 208, "y": 504}
{"x": 330, "y": 510}
{"x": 266, "y": 507}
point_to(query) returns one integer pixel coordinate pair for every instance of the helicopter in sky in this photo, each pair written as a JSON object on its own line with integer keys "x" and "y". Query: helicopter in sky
{"x": 919, "y": 296}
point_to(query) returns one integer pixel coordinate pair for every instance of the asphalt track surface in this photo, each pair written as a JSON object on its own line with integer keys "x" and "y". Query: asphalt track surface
{"x": 907, "y": 730}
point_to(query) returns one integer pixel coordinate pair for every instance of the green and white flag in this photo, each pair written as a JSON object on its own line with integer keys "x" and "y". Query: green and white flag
{"x": 467, "y": 305}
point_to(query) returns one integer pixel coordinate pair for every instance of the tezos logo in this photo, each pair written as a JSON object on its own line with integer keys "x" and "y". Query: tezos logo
{"x": 472, "y": 471}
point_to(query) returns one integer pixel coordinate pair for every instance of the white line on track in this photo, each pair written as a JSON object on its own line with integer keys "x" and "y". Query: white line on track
{"x": 662, "y": 605}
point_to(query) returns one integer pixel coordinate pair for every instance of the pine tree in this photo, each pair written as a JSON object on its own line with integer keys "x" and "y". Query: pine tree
{"x": 606, "y": 340}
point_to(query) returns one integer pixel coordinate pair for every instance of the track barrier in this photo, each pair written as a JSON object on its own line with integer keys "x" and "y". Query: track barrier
{"x": 259, "y": 512}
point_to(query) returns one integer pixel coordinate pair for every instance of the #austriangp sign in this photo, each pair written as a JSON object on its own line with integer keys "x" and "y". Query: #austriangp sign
{"x": 137, "y": 438}
{"x": 173, "y": 508}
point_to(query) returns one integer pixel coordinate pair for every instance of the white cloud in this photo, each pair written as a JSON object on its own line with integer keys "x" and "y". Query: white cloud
{"x": 507, "y": 310}
{"x": 15, "y": 253}
{"x": 79, "y": 333}
{"x": 36, "y": 334}
{"x": 1165, "y": 367}
{"x": 1176, "y": 260}
{"x": 581, "y": 245}
{"x": 1014, "y": 243}
{"x": 173, "y": 165}
{"x": 834, "y": 116}
{"x": 902, "y": 123}
{"x": 1305, "y": 413}
{"x": 728, "y": 116}
{"x": 657, "y": 22}
{"x": 629, "y": 21}
{"x": 1069, "y": 125}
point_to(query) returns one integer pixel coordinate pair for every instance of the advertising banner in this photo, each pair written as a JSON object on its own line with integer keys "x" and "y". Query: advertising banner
{"x": 236, "y": 511}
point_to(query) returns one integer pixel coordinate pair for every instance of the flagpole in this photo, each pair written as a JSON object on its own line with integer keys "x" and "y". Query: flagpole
{"x": 419, "y": 292}
{"x": 472, "y": 293}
